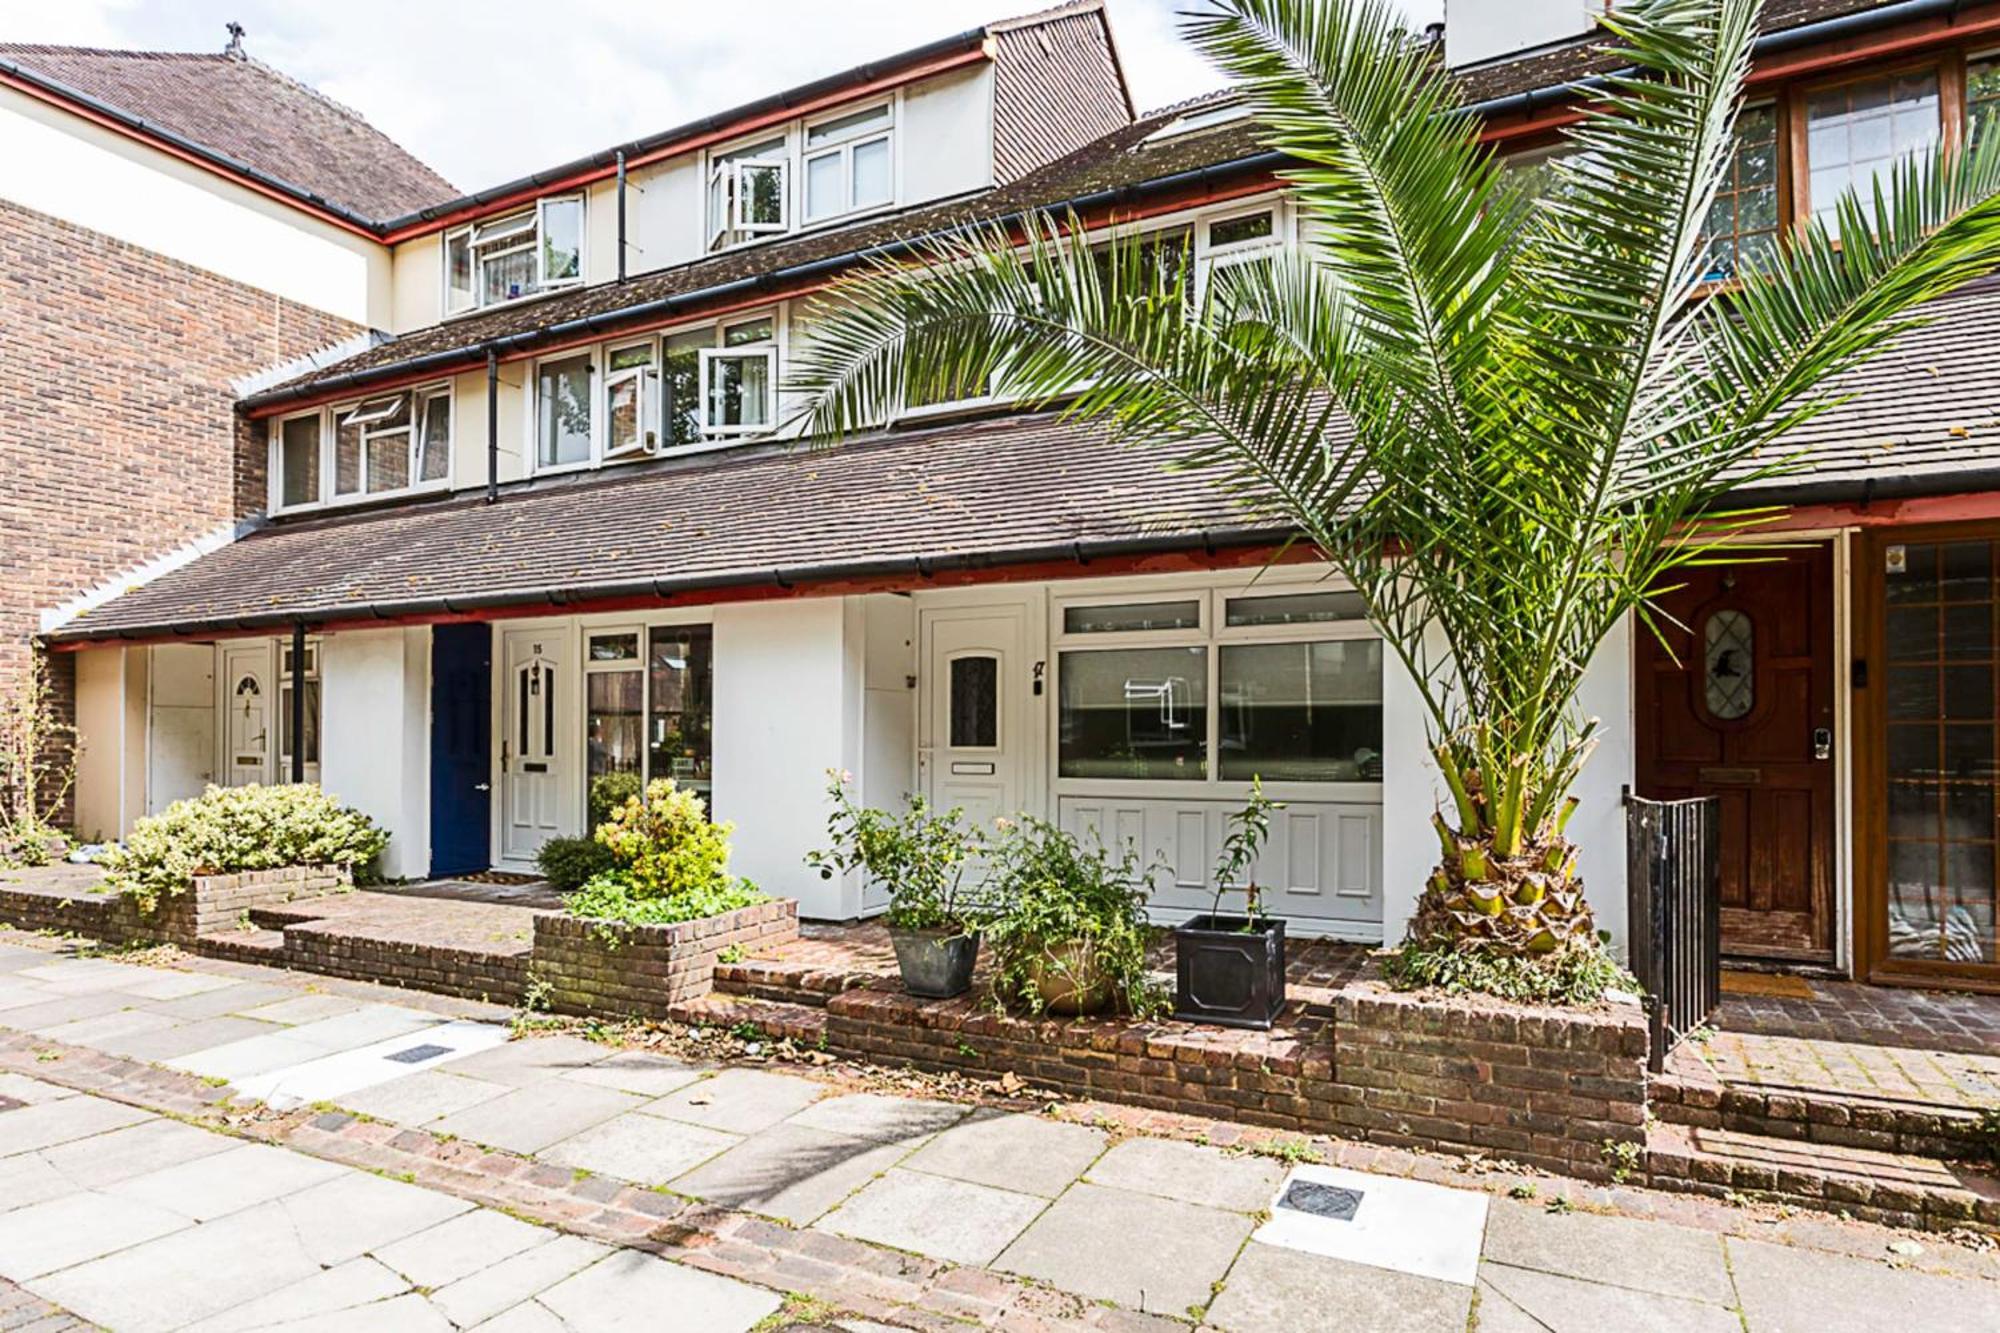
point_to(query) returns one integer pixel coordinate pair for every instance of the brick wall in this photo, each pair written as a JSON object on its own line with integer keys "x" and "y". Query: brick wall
{"x": 216, "y": 903}
{"x": 118, "y": 435}
{"x": 612, "y": 967}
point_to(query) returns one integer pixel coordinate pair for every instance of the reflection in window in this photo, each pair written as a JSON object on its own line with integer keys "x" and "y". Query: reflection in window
{"x": 1742, "y": 227}
{"x": 975, "y": 703}
{"x": 563, "y": 403}
{"x": 680, "y": 704}
{"x": 1302, "y": 712}
{"x": 1133, "y": 713}
{"x": 1304, "y": 608}
{"x": 1859, "y": 132}
{"x": 1729, "y": 665}
{"x": 1130, "y": 616}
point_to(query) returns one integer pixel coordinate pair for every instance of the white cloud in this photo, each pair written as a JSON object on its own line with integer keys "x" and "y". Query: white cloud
{"x": 492, "y": 90}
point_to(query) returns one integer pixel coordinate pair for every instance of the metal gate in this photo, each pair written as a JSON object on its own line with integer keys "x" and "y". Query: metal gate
{"x": 1674, "y": 913}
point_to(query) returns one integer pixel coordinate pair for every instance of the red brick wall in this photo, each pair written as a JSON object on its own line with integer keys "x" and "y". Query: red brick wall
{"x": 118, "y": 436}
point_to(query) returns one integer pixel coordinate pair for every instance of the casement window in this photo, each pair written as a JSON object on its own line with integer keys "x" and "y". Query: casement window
{"x": 378, "y": 446}
{"x": 299, "y": 447}
{"x": 504, "y": 259}
{"x": 1741, "y": 230}
{"x": 1242, "y": 240}
{"x": 849, "y": 162}
{"x": 748, "y": 193}
{"x": 1982, "y": 96}
{"x": 563, "y": 411}
{"x": 648, "y": 709}
{"x": 739, "y": 379}
{"x": 1859, "y": 132}
{"x": 1213, "y": 686}
{"x": 291, "y": 677}
{"x": 631, "y": 401}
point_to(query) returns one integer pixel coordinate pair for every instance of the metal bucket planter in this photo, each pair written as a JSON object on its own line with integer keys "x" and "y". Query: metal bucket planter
{"x": 1228, "y": 975}
{"x": 936, "y": 964}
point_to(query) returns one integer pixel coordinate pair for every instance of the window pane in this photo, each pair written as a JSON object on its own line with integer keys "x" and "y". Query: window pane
{"x": 458, "y": 271}
{"x": 1133, "y": 713}
{"x": 739, "y": 392}
{"x": 612, "y": 724}
{"x": 1131, "y": 616}
{"x": 823, "y": 182}
{"x": 1236, "y": 231}
{"x": 346, "y": 459}
{"x": 614, "y": 647}
{"x": 1730, "y": 665}
{"x": 1982, "y": 95}
{"x": 435, "y": 446}
{"x": 1861, "y": 131}
{"x": 748, "y": 332}
{"x": 285, "y": 726}
{"x": 763, "y": 201}
{"x": 633, "y": 357}
{"x": 680, "y": 664}
{"x": 827, "y": 131}
{"x": 974, "y": 703}
{"x": 298, "y": 460}
{"x": 506, "y": 277}
{"x": 872, "y": 184}
{"x": 388, "y": 461}
{"x": 1742, "y": 224}
{"x": 680, "y": 382}
{"x": 1305, "y": 608}
{"x": 622, "y": 413}
{"x": 564, "y": 404}
{"x": 1302, "y": 712}
{"x": 562, "y": 240}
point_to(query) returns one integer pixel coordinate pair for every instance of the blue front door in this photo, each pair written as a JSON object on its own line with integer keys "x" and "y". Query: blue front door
{"x": 461, "y": 748}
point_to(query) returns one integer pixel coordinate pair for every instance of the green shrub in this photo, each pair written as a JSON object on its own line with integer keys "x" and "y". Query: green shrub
{"x": 568, "y": 863}
{"x": 919, "y": 856}
{"x": 668, "y": 862}
{"x": 228, "y": 829}
{"x": 1050, "y": 891}
{"x": 610, "y": 897}
{"x": 1571, "y": 975}
{"x": 608, "y": 792}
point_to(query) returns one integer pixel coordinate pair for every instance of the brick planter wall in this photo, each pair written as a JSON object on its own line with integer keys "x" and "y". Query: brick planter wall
{"x": 613, "y": 967}
{"x": 497, "y": 975}
{"x": 90, "y": 914}
{"x": 216, "y": 903}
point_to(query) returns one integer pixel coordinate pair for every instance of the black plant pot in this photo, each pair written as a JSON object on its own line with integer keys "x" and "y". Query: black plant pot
{"x": 936, "y": 964}
{"x": 1226, "y": 974}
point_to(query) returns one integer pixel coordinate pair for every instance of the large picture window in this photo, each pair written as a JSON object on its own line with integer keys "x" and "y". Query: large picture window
{"x": 849, "y": 162}
{"x": 1219, "y": 687}
{"x": 647, "y": 711}
{"x": 1857, "y": 133}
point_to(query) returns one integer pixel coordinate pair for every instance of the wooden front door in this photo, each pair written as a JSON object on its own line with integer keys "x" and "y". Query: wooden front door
{"x": 1738, "y": 703}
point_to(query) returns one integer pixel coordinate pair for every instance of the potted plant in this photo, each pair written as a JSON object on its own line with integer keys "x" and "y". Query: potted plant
{"x": 1069, "y": 927}
{"x": 920, "y": 857}
{"x": 1231, "y": 969}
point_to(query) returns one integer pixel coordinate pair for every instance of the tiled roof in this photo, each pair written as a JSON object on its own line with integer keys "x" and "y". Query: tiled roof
{"x": 246, "y": 110}
{"x": 984, "y": 493}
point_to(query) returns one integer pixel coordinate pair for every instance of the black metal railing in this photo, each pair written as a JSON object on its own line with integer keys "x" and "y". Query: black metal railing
{"x": 1674, "y": 918}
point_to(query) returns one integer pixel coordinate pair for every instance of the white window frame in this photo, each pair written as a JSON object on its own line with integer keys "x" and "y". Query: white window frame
{"x": 533, "y": 393}
{"x": 720, "y": 167}
{"x": 646, "y": 382}
{"x": 843, "y": 148}
{"x": 283, "y": 700}
{"x": 711, "y": 357}
{"x": 1209, "y": 256}
{"x": 330, "y": 418}
{"x": 528, "y": 236}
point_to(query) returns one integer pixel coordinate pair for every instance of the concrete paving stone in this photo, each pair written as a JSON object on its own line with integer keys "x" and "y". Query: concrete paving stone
{"x": 642, "y": 1072}
{"x": 357, "y": 1282}
{"x": 150, "y": 1145}
{"x": 492, "y": 1291}
{"x": 80, "y": 976}
{"x": 33, "y": 1091}
{"x": 460, "y": 1247}
{"x": 1027, "y": 1153}
{"x": 644, "y": 1149}
{"x": 1138, "y": 1250}
{"x": 1573, "y": 1305}
{"x": 45, "y": 1124}
{"x": 179, "y": 1278}
{"x": 44, "y": 1237}
{"x": 741, "y": 1101}
{"x": 935, "y": 1216}
{"x": 252, "y": 1055}
{"x": 193, "y": 1034}
{"x": 227, "y": 1182}
{"x": 170, "y": 985}
{"x": 420, "y": 1098}
{"x": 16, "y": 994}
{"x": 357, "y": 1212}
{"x": 93, "y": 1032}
{"x": 1410, "y": 1226}
{"x": 789, "y": 1172}
{"x": 364, "y": 1026}
{"x": 1274, "y": 1290}
{"x": 404, "y": 1314}
{"x": 631, "y": 1289}
{"x": 46, "y": 1015}
{"x": 530, "y": 1118}
{"x": 27, "y": 1178}
{"x": 302, "y": 1009}
{"x": 528, "y": 1060}
{"x": 527, "y": 1317}
{"x": 1621, "y": 1251}
{"x": 1786, "y": 1290}
{"x": 1190, "y": 1172}
{"x": 879, "y": 1118}
{"x": 234, "y": 998}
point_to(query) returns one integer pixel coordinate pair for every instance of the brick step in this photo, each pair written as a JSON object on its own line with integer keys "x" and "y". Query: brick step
{"x": 277, "y": 918}
{"x": 802, "y": 1023}
{"x": 245, "y": 946}
{"x": 785, "y": 982}
{"x": 1836, "y": 1119}
{"x": 1895, "y": 1189}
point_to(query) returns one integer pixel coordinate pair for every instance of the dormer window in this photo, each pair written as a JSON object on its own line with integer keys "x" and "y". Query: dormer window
{"x": 504, "y": 259}
{"x": 747, "y": 191}
{"x": 849, "y": 162}
{"x": 1205, "y": 119}
{"x": 354, "y": 450}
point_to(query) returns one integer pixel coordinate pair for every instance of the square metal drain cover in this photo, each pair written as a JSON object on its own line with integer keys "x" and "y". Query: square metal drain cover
{"x": 1329, "y": 1201}
{"x": 11, "y": 1103}
{"x": 419, "y": 1054}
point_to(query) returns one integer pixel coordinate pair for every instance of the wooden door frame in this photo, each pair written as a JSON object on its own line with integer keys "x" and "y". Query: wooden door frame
{"x": 1871, "y": 842}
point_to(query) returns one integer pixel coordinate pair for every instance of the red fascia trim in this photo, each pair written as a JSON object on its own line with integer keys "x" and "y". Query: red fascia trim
{"x": 1968, "y": 507}
{"x": 942, "y": 64}
{"x": 160, "y": 145}
{"x": 1169, "y": 562}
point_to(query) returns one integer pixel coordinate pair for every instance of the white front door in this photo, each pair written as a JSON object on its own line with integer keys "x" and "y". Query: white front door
{"x": 532, "y": 771}
{"x": 972, "y": 745}
{"x": 246, "y": 707}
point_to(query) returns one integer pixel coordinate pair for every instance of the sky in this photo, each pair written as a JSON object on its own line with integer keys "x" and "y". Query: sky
{"x": 490, "y": 90}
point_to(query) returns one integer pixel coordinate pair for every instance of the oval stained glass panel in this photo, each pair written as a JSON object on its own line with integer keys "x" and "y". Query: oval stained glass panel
{"x": 1729, "y": 665}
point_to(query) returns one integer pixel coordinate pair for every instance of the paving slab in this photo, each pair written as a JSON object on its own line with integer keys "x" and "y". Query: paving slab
{"x": 494, "y": 1290}
{"x": 79, "y": 976}
{"x": 642, "y": 1072}
{"x": 1392, "y": 1222}
{"x": 303, "y": 1009}
{"x": 358, "y": 1282}
{"x": 234, "y": 998}
{"x": 252, "y": 1055}
{"x": 45, "y": 1016}
{"x": 104, "y": 1027}
{"x": 328, "y": 1077}
{"x": 1190, "y": 1172}
{"x": 410, "y": 1313}
{"x": 191, "y": 1035}
{"x": 1623, "y": 1251}
{"x": 527, "y": 1317}
{"x": 1573, "y": 1305}
{"x": 1027, "y": 1153}
{"x": 631, "y": 1289}
{"x": 215, "y": 1186}
{"x": 363, "y": 1026}
{"x": 75, "y": 1228}
{"x": 33, "y": 1091}
{"x": 150, "y": 1145}
{"x": 528, "y": 1060}
{"x": 1272, "y": 1290}
{"x": 460, "y": 1247}
{"x": 171, "y": 985}
{"x": 27, "y": 1178}
{"x": 880, "y": 1119}
{"x": 420, "y": 1098}
{"x": 790, "y": 1172}
{"x": 935, "y": 1216}
{"x": 1787, "y": 1290}
{"x": 644, "y": 1149}
{"x": 178, "y": 1278}
{"x": 741, "y": 1101}
{"x": 358, "y": 1212}
{"x": 45, "y": 1124}
{"x": 1137, "y": 1250}
{"x": 530, "y": 1118}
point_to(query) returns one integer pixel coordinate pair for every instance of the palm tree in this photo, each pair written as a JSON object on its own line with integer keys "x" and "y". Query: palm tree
{"x": 1507, "y": 420}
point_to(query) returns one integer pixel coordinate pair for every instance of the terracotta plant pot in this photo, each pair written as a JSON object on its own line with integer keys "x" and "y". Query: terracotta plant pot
{"x": 1067, "y": 976}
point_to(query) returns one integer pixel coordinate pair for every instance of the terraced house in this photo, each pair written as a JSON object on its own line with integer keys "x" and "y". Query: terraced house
{"x": 462, "y": 503}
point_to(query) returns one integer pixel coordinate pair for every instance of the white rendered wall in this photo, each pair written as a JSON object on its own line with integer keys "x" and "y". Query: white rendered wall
{"x": 60, "y": 164}
{"x": 375, "y": 736}
{"x": 947, "y": 135}
{"x": 1411, "y": 791}
{"x": 180, "y": 731}
{"x": 111, "y": 740}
